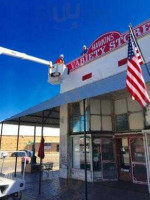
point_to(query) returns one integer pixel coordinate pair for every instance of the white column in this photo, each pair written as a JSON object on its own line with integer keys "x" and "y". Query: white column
{"x": 64, "y": 142}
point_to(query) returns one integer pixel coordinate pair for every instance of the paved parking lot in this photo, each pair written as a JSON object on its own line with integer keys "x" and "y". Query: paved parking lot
{"x": 55, "y": 188}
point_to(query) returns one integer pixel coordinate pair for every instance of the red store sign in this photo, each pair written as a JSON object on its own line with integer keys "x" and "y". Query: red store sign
{"x": 107, "y": 43}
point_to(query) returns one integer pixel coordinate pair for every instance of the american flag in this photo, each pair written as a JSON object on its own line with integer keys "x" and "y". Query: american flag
{"x": 135, "y": 82}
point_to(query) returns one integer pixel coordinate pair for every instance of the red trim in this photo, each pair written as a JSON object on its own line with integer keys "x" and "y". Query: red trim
{"x": 122, "y": 62}
{"x": 87, "y": 76}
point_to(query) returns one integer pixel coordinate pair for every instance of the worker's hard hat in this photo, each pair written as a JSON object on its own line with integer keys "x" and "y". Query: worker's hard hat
{"x": 61, "y": 56}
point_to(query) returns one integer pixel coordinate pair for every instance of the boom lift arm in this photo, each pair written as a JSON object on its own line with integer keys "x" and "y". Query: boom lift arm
{"x": 23, "y": 56}
{"x": 56, "y": 73}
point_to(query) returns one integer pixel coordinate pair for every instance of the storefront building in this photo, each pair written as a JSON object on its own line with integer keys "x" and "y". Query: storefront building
{"x": 117, "y": 128}
{"x": 117, "y": 143}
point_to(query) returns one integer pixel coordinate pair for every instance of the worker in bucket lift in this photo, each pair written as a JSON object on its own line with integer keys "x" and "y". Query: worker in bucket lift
{"x": 60, "y": 60}
{"x": 84, "y": 50}
{"x": 56, "y": 68}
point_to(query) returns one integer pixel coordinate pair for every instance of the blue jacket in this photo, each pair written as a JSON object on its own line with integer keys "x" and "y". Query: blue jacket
{"x": 83, "y": 52}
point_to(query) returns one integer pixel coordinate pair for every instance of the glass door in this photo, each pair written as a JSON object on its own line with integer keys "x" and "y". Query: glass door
{"x": 97, "y": 154}
{"x": 109, "y": 171}
{"x": 123, "y": 159}
{"x": 138, "y": 162}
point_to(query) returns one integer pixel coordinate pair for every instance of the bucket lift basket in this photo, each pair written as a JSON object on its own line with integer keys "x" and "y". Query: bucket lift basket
{"x": 56, "y": 73}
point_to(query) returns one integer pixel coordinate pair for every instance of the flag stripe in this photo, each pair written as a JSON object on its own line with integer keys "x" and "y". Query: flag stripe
{"x": 141, "y": 102}
{"x": 136, "y": 86}
{"x": 135, "y": 66}
{"x": 135, "y": 82}
{"x": 136, "y": 75}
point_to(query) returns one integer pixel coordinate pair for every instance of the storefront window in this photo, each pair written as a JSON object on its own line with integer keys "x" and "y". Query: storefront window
{"x": 100, "y": 115}
{"x": 128, "y": 115}
{"x": 76, "y": 125}
{"x": 107, "y": 147}
{"x": 96, "y": 154}
{"x": 122, "y": 122}
{"x": 78, "y": 152}
{"x": 121, "y": 110}
{"x": 136, "y": 121}
{"x": 137, "y": 150}
{"x": 77, "y": 122}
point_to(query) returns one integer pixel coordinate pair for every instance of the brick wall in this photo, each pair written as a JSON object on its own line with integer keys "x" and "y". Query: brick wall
{"x": 9, "y": 143}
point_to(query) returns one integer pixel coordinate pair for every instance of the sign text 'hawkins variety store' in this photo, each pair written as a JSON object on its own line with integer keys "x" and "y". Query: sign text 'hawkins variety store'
{"x": 107, "y": 43}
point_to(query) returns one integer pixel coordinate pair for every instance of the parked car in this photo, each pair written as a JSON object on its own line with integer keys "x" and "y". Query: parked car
{"x": 22, "y": 154}
{"x": 18, "y": 154}
{"x": 28, "y": 152}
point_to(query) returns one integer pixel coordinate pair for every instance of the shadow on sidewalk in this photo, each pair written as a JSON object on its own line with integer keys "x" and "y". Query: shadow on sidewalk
{"x": 55, "y": 188}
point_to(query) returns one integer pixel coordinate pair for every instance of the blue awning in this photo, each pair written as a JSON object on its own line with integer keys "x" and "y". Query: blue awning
{"x": 105, "y": 86}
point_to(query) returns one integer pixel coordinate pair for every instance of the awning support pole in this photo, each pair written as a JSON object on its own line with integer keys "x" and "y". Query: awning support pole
{"x": 33, "y": 147}
{"x": 17, "y": 146}
{"x": 40, "y": 174}
{"x": 85, "y": 157}
{"x": 1, "y": 135}
{"x": 146, "y": 147}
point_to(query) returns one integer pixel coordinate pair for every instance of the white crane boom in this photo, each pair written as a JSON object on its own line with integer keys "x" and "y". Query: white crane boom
{"x": 24, "y": 56}
{"x": 56, "y": 72}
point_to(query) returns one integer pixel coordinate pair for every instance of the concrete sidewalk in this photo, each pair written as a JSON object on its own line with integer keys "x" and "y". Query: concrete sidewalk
{"x": 55, "y": 188}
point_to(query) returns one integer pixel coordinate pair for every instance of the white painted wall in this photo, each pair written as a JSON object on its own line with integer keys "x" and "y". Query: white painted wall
{"x": 103, "y": 67}
{"x": 29, "y": 130}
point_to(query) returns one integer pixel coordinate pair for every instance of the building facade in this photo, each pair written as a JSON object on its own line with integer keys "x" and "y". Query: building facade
{"x": 117, "y": 135}
{"x": 117, "y": 139}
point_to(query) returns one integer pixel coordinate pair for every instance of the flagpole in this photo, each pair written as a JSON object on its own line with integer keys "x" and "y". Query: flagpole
{"x": 135, "y": 40}
{"x": 40, "y": 174}
{"x": 18, "y": 133}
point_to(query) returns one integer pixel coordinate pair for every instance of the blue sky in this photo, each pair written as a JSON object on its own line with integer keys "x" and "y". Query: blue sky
{"x": 46, "y": 29}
